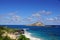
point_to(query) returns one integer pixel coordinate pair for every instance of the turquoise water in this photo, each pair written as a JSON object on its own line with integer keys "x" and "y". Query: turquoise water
{"x": 45, "y": 33}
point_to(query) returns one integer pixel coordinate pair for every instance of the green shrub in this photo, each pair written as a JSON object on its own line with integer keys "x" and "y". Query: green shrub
{"x": 22, "y": 37}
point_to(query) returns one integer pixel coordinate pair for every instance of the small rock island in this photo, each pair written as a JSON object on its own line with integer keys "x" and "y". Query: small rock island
{"x": 36, "y": 24}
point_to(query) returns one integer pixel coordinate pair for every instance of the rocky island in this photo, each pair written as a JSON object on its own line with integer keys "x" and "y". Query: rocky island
{"x": 36, "y": 24}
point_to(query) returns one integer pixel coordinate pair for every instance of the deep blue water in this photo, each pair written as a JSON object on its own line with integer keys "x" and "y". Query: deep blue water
{"x": 46, "y": 33}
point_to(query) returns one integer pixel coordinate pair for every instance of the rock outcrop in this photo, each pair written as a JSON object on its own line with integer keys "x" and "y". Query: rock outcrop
{"x": 36, "y": 24}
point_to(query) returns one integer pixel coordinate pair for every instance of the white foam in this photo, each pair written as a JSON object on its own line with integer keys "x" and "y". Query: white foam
{"x": 28, "y": 35}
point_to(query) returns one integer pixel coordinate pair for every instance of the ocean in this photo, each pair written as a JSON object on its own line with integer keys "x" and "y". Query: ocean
{"x": 43, "y": 33}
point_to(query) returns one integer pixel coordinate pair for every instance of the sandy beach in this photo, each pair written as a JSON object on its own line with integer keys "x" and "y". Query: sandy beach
{"x": 28, "y": 35}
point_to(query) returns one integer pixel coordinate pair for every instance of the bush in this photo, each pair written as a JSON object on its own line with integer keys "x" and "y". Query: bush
{"x": 22, "y": 37}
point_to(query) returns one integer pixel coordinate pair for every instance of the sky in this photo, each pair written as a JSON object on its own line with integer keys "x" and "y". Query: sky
{"x": 22, "y": 12}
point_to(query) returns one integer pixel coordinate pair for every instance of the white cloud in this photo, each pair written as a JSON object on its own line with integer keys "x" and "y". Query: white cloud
{"x": 10, "y": 19}
{"x": 48, "y": 12}
{"x": 39, "y": 15}
{"x": 16, "y": 18}
{"x": 55, "y": 19}
{"x": 29, "y": 19}
{"x": 36, "y": 15}
{"x": 13, "y": 18}
{"x": 45, "y": 12}
{"x": 50, "y": 19}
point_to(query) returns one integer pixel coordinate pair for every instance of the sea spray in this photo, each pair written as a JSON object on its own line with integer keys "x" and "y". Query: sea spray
{"x": 28, "y": 35}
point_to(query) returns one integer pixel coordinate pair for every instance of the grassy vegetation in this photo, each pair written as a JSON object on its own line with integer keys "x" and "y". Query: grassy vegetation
{"x": 4, "y": 29}
{"x": 22, "y": 37}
